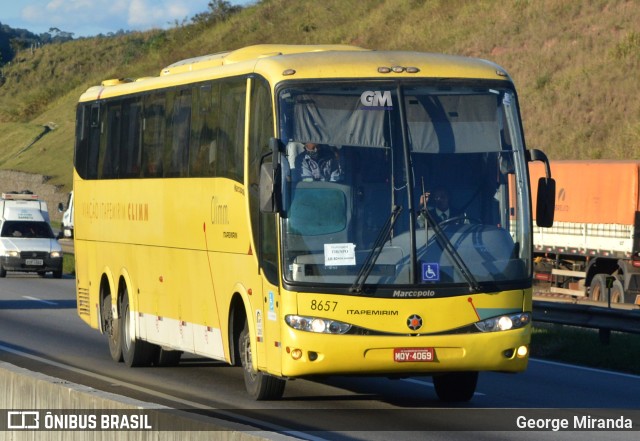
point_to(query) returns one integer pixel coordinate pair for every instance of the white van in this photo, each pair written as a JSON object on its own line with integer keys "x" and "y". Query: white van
{"x": 67, "y": 216}
{"x": 27, "y": 242}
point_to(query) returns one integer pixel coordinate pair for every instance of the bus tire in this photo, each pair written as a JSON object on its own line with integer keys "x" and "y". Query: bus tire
{"x": 111, "y": 328}
{"x": 259, "y": 385}
{"x": 3, "y": 272}
{"x": 135, "y": 352}
{"x": 456, "y": 386}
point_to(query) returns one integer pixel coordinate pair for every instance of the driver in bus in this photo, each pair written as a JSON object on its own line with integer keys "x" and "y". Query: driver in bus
{"x": 318, "y": 162}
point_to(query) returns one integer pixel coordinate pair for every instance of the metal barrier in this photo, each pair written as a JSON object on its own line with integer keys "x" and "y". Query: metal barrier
{"x": 588, "y": 316}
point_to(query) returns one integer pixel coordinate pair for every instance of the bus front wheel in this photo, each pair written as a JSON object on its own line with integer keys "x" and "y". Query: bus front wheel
{"x": 456, "y": 386}
{"x": 260, "y": 386}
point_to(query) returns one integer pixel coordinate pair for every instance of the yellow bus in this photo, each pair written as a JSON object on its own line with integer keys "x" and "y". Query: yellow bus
{"x": 276, "y": 207}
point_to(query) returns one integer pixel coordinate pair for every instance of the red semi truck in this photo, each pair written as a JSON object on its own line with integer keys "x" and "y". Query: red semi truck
{"x": 593, "y": 248}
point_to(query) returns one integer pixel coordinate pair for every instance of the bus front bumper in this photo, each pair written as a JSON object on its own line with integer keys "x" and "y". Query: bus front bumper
{"x": 305, "y": 353}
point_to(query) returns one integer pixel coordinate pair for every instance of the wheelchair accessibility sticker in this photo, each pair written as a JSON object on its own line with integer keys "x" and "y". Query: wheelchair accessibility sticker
{"x": 430, "y": 272}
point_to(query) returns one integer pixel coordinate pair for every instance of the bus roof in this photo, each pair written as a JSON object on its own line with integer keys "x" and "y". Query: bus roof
{"x": 250, "y": 53}
{"x": 279, "y": 62}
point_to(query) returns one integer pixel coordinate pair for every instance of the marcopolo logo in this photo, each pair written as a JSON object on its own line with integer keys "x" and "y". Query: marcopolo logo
{"x": 376, "y": 100}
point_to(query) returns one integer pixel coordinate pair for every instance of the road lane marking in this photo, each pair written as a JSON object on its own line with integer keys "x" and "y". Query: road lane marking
{"x": 584, "y": 368}
{"x": 430, "y": 384}
{"x": 111, "y": 380}
{"x": 250, "y": 421}
{"x": 35, "y": 299}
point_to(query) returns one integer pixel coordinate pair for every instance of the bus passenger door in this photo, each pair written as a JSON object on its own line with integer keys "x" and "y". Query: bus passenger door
{"x": 269, "y": 355}
{"x": 271, "y": 347}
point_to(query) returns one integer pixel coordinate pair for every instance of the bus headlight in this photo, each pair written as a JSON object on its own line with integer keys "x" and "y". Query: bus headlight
{"x": 504, "y": 322}
{"x": 12, "y": 253}
{"x": 55, "y": 254}
{"x": 317, "y": 324}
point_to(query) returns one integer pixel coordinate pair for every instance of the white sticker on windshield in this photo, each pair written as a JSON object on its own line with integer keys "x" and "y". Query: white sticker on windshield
{"x": 339, "y": 254}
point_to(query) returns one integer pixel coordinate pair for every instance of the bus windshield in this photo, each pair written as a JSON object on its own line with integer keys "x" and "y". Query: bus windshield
{"x": 393, "y": 183}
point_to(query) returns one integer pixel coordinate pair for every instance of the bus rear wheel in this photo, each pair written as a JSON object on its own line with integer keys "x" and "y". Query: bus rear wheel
{"x": 112, "y": 330}
{"x": 135, "y": 352}
{"x": 259, "y": 385}
{"x": 456, "y": 386}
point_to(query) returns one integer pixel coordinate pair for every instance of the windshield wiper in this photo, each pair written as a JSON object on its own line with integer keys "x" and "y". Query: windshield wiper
{"x": 446, "y": 245}
{"x": 373, "y": 255}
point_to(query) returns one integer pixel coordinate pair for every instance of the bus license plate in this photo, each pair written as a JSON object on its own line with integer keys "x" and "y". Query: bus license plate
{"x": 34, "y": 262}
{"x": 413, "y": 354}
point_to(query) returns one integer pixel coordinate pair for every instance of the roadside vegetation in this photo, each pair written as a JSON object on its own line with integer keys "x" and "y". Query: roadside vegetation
{"x": 582, "y": 346}
{"x": 68, "y": 264}
{"x": 572, "y": 61}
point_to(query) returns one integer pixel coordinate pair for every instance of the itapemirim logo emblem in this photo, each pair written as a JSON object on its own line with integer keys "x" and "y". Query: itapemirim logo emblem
{"x": 414, "y": 322}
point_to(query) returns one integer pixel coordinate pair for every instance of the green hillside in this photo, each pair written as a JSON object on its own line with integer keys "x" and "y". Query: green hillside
{"x": 575, "y": 63}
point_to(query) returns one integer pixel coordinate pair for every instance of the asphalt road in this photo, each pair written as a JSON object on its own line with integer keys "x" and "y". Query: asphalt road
{"x": 40, "y": 330}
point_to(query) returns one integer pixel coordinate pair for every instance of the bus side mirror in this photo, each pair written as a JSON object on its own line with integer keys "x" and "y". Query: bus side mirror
{"x": 267, "y": 199}
{"x": 545, "y": 204}
{"x": 546, "y": 200}
{"x": 270, "y": 180}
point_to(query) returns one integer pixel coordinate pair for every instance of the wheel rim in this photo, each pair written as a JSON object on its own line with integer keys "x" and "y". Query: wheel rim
{"x": 246, "y": 357}
{"x": 108, "y": 322}
{"x": 127, "y": 330}
{"x": 616, "y": 295}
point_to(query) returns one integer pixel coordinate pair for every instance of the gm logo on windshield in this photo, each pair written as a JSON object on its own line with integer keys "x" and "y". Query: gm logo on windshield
{"x": 376, "y": 100}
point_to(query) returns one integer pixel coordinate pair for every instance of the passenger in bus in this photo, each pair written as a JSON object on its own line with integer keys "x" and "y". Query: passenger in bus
{"x": 318, "y": 162}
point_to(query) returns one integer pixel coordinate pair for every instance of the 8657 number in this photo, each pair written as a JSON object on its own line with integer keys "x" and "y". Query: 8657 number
{"x": 323, "y": 305}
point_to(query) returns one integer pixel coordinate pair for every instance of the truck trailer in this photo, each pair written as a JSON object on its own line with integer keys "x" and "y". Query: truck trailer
{"x": 593, "y": 249}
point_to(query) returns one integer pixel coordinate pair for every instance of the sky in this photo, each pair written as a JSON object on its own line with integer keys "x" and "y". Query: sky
{"x": 86, "y": 18}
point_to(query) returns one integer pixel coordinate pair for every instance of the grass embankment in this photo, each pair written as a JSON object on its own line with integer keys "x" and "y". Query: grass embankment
{"x": 573, "y": 63}
{"x": 582, "y": 346}
{"x": 68, "y": 264}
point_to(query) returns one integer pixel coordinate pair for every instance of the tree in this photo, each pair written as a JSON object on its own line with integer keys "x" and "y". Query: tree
{"x": 219, "y": 11}
{"x": 60, "y": 36}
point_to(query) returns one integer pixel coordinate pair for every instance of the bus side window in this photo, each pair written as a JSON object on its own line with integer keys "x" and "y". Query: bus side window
{"x": 177, "y": 153}
{"x": 83, "y": 130}
{"x": 230, "y": 152}
{"x": 131, "y": 139}
{"x": 94, "y": 142}
{"x": 153, "y": 135}
{"x": 110, "y": 147}
{"x": 203, "y": 142}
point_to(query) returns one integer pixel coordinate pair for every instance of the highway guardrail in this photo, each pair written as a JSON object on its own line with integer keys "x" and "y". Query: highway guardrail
{"x": 588, "y": 316}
